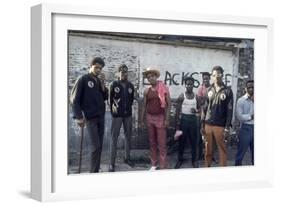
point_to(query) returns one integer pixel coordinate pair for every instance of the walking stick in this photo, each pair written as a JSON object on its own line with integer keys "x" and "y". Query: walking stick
{"x": 81, "y": 148}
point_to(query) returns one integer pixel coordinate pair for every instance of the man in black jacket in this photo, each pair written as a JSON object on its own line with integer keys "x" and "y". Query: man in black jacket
{"x": 217, "y": 117}
{"x": 121, "y": 99}
{"x": 88, "y": 98}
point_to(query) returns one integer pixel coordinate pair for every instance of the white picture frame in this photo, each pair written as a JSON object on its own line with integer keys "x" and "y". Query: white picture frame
{"x": 49, "y": 178}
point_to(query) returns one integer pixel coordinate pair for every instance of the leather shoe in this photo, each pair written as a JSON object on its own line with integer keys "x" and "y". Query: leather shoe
{"x": 111, "y": 168}
{"x": 178, "y": 164}
{"x": 129, "y": 162}
{"x": 195, "y": 164}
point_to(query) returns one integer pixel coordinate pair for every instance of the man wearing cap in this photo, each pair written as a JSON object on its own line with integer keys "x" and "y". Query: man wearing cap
{"x": 217, "y": 117}
{"x": 156, "y": 109}
{"x": 88, "y": 98}
{"x": 121, "y": 97}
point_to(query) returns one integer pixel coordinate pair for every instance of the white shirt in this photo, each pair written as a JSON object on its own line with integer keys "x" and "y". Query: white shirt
{"x": 188, "y": 104}
{"x": 245, "y": 109}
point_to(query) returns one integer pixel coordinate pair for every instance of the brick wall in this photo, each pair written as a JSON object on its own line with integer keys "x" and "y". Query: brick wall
{"x": 192, "y": 56}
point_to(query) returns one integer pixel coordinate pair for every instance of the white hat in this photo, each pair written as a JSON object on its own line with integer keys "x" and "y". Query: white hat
{"x": 151, "y": 70}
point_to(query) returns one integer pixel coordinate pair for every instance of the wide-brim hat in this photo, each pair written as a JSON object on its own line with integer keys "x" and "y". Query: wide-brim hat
{"x": 152, "y": 70}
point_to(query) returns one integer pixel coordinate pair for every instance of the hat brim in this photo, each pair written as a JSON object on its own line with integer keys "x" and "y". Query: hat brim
{"x": 156, "y": 72}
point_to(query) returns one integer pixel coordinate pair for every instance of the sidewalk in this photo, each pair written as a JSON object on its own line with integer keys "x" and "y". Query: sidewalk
{"x": 142, "y": 161}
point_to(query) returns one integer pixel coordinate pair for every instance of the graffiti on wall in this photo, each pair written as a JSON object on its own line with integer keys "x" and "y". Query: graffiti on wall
{"x": 177, "y": 79}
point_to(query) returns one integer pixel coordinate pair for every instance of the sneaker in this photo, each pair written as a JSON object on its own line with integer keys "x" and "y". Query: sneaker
{"x": 153, "y": 168}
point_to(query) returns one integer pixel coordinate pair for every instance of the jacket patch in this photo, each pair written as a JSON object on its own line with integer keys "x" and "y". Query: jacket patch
{"x": 116, "y": 102}
{"x": 223, "y": 96}
{"x": 91, "y": 84}
{"x": 117, "y": 89}
{"x": 210, "y": 94}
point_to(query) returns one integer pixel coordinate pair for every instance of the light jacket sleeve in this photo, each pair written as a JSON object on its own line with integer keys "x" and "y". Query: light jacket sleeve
{"x": 76, "y": 99}
{"x": 239, "y": 112}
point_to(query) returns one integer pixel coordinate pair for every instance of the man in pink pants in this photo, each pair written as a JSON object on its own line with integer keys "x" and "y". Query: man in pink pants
{"x": 156, "y": 108}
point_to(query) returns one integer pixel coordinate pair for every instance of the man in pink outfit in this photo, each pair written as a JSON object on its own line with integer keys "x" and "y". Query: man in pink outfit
{"x": 157, "y": 105}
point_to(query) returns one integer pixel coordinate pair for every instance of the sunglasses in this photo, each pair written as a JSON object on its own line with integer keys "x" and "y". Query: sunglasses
{"x": 216, "y": 75}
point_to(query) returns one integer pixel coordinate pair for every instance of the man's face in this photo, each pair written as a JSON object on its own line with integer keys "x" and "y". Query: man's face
{"x": 189, "y": 85}
{"x": 123, "y": 75}
{"x": 250, "y": 88}
{"x": 152, "y": 78}
{"x": 206, "y": 79}
{"x": 96, "y": 69}
{"x": 217, "y": 76}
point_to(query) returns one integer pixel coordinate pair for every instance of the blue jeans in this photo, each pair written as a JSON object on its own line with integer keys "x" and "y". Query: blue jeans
{"x": 246, "y": 140}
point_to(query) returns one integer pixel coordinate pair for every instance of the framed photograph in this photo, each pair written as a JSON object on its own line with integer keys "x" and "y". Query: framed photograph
{"x": 117, "y": 56}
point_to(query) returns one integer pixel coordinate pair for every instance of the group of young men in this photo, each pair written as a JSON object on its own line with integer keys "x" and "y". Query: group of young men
{"x": 211, "y": 109}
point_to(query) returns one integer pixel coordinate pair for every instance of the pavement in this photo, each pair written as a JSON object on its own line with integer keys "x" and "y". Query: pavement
{"x": 140, "y": 158}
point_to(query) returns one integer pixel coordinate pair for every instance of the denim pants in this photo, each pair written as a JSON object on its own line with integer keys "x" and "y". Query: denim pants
{"x": 246, "y": 140}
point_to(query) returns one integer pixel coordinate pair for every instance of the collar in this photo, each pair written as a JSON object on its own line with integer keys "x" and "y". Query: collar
{"x": 185, "y": 95}
{"x": 212, "y": 86}
{"x": 120, "y": 81}
{"x": 92, "y": 75}
{"x": 203, "y": 85}
{"x": 247, "y": 97}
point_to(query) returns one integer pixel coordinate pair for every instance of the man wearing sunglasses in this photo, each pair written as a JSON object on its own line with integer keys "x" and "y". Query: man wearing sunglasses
{"x": 216, "y": 117}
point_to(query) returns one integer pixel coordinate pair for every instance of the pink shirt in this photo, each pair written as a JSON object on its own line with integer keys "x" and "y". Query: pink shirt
{"x": 202, "y": 90}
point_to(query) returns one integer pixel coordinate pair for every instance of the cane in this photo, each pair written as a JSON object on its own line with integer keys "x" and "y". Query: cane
{"x": 81, "y": 148}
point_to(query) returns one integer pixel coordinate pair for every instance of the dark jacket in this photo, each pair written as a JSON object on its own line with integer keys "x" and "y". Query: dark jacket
{"x": 121, "y": 98}
{"x": 218, "y": 110}
{"x": 87, "y": 98}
